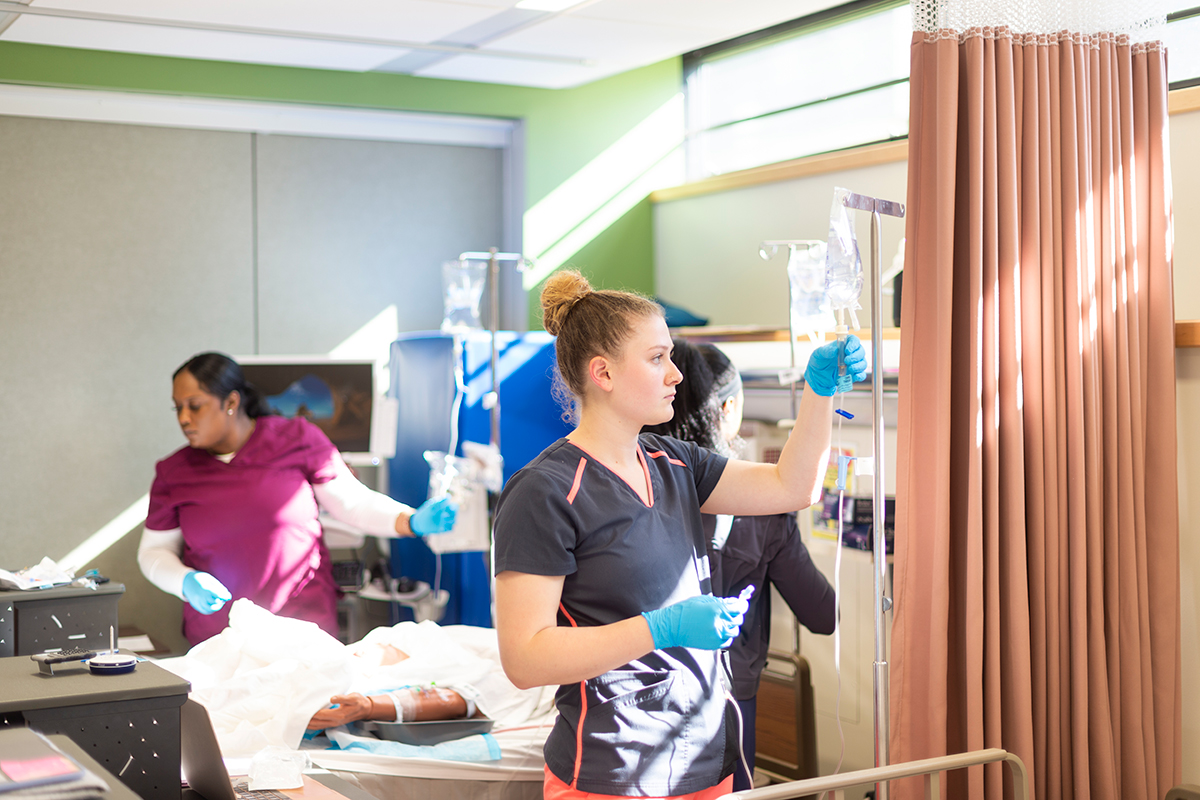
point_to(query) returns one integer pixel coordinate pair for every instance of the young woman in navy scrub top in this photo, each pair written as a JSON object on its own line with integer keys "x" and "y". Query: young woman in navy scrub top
{"x": 602, "y": 576}
{"x": 744, "y": 551}
{"x": 234, "y": 513}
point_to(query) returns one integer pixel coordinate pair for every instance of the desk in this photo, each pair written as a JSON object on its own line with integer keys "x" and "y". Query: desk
{"x": 129, "y": 723}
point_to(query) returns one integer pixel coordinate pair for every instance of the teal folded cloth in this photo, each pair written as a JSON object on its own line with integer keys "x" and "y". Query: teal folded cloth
{"x": 476, "y": 747}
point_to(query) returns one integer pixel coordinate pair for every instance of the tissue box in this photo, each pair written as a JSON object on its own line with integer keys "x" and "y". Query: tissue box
{"x": 67, "y": 616}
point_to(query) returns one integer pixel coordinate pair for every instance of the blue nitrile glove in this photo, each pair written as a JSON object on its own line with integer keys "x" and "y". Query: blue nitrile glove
{"x": 822, "y": 373}
{"x": 205, "y": 593}
{"x": 704, "y": 622}
{"x": 434, "y": 516}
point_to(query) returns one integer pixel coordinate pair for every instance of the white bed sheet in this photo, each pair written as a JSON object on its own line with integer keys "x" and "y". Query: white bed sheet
{"x": 521, "y": 760}
{"x": 263, "y": 678}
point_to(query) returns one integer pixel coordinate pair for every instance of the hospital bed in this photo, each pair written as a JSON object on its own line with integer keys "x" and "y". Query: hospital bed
{"x": 264, "y": 676}
{"x": 516, "y": 776}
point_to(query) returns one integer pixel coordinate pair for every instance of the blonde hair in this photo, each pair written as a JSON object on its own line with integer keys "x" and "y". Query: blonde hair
{"x": 588, "y": 323}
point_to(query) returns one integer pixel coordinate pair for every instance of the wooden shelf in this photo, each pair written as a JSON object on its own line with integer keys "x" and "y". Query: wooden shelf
{"x": 1187, "y": 333}
{"x": 759, "y": 333}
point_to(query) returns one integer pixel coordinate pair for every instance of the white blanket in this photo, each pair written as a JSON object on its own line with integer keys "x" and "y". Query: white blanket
{"x": 263, "y": 677}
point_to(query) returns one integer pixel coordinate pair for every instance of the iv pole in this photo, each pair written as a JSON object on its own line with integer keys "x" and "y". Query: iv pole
{"x": 491, "y": 400}
{"x": 883, "y": 604}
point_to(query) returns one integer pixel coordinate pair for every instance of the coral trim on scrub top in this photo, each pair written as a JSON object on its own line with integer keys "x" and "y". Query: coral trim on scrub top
{"x": 582, "y": 692}
{"x": 578, "y": 479}
{"x": 663, "y": 454}
{"x": 649, "y": 503}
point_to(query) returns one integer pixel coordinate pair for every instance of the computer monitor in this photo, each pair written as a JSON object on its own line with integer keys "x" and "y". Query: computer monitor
{"x": 337, "y": 395}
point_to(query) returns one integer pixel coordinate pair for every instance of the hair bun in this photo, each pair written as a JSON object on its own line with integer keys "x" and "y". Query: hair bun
{"x": 562, "y": 291}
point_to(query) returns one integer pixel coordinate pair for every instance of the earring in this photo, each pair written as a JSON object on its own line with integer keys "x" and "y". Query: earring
{"x": 230, "y": 412}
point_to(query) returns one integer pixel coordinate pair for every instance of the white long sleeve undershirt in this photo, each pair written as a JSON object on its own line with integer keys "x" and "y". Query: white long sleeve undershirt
{"x": 345, "y": 498}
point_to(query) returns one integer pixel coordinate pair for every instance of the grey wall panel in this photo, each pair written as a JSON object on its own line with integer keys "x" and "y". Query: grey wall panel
{"x": 123, "y": 250}
{"x": 347, "y": 228}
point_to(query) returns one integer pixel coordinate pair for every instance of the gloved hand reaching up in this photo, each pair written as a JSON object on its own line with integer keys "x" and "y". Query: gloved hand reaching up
{"x": 434, "y": 516}
{"x": 822, "y": 373}
{"x": 205, "y": 593}
{"x": 703, "y": 622}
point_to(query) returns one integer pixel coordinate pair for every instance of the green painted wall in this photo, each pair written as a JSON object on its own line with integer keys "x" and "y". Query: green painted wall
{"x": 565, "y": 128}
{"x": 623, "y": 258}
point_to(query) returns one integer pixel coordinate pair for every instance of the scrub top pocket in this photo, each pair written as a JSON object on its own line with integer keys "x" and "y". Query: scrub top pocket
{"x": 620, "y": 688}
{"x": 639, "y": 718}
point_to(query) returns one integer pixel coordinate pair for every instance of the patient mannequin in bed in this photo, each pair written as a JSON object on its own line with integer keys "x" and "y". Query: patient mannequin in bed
{"x": 408, "y": 704}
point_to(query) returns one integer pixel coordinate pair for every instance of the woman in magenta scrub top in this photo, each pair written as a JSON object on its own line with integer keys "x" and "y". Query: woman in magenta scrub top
{"x": 234, "y": 513}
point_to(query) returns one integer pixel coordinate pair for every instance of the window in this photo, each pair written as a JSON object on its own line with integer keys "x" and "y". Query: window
{"x": 825, "y": 82}
{"x": 1182, "y": 38}
{"x": 830, "y": 81}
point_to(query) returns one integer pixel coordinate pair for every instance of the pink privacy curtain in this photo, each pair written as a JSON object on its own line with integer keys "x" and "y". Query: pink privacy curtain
{"x": 1036, "y": 577}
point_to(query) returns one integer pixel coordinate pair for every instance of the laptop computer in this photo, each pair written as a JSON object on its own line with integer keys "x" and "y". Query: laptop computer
{"x": 207, "y": 778}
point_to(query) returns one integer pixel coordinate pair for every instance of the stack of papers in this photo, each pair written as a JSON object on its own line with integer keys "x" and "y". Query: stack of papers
{"x": 42, "y": 576}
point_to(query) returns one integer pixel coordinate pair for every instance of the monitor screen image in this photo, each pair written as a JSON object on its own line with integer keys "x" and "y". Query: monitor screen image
{"x": 336, "y": 396}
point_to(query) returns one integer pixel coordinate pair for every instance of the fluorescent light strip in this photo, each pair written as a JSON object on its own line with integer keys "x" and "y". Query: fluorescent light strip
{"x": 97, "y": 16}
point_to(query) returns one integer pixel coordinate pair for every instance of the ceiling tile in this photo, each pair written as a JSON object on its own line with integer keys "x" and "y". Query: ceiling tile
{"x": 726, "y": 19}
{"x": 614, "y": 35}
{"x": 407, "y": 20}
{"x": 605, "y": 41}
{"x": 153, "y": 40}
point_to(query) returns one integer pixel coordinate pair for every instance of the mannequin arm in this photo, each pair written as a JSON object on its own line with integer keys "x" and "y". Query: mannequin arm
{"x": 410, "y": 704}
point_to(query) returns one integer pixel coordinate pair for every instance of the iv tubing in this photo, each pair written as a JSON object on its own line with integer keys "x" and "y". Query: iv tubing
{"x": 837, "y": 601}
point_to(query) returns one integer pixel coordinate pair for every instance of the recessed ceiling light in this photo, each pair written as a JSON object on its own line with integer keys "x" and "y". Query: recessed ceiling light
{"x": 547, "y": 5}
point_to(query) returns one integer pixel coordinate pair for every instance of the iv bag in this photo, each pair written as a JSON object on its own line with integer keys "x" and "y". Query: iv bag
{"x": 465, "y": 480}
{"x": 810, "y": 310}
{"x": 462, "y": 282}
{"x": 843, "y": 264}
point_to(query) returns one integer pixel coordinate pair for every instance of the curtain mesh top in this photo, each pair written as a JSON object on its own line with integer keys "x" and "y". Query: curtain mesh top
{"x": 1139, "y": 19}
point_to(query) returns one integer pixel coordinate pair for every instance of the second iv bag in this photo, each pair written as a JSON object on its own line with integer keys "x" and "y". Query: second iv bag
{"x": 843, "y": 264}
{"x": 810, "y": 311}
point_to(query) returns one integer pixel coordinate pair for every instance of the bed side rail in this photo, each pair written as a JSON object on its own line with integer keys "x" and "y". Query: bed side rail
{"x": 931, "y": 768}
